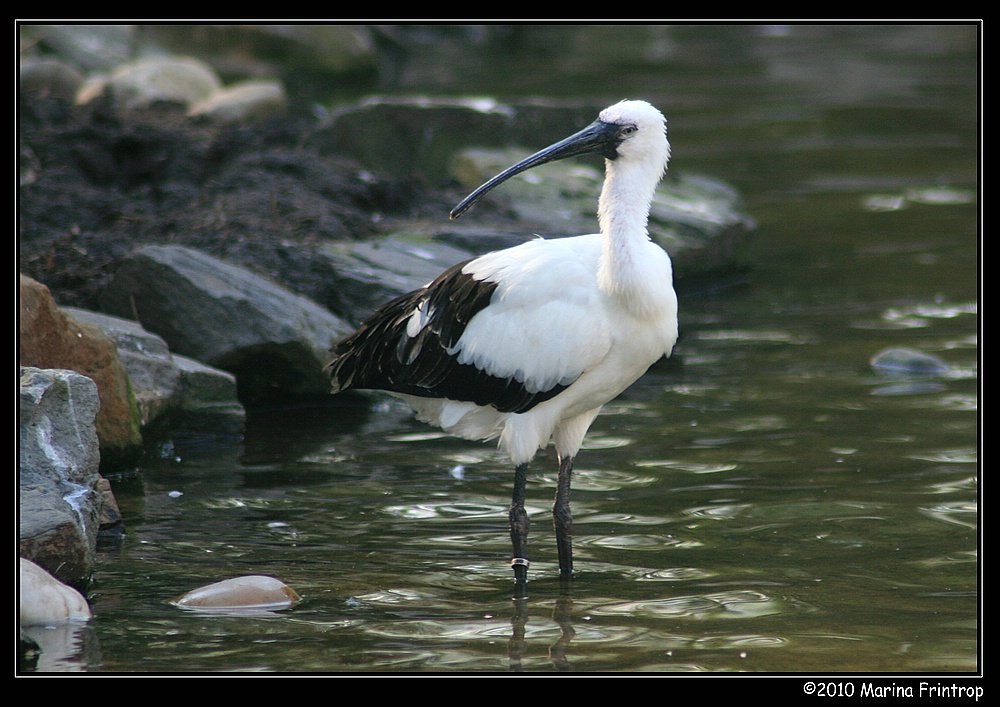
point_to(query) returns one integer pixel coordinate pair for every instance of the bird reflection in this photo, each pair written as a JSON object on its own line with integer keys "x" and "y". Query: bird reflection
{"x": 562, "y": 615}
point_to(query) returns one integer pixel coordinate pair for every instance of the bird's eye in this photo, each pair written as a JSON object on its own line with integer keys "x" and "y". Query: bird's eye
{"x": 628, "y": 130}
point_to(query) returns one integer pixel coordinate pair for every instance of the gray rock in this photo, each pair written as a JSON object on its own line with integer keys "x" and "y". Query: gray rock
{"x": 89, "y": 47}
{"x": 268, "y": 49}
{"x": 370, "y": 273}
{"x": 406, "y": 136}
{"x": 59, "y": 504}
{"x": 49, "y": 78}
{"x": 275, "y": 342}
{"x": 168, "y": 386}
{"x": 147, "y": 360}
{"x": 207, "y": 399}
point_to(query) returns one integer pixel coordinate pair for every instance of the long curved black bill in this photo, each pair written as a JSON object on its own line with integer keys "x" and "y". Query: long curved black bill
{"x": 598, "y": 137}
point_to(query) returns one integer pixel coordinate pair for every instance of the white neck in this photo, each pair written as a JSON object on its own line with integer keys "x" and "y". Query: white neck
{"x": 623, "y": 213}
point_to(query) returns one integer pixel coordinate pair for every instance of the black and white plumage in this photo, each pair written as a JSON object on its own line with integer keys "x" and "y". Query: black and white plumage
{"x": 528, "y": 343}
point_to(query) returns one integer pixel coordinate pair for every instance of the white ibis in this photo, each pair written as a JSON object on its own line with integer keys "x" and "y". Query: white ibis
{"x": 528, "y": 343}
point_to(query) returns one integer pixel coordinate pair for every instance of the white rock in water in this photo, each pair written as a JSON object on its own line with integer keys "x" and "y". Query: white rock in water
{"x": 45, "y": 601}
{"x": 903, "y": 361}
{"x": 251, "y": 592}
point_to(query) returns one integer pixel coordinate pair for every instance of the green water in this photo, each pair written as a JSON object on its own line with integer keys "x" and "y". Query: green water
{"x": 764, "y": 502}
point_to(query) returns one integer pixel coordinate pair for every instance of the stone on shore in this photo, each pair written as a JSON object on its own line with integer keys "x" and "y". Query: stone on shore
{"x": 275, "y": 342}
{"x": 48, "y": 338}
{"x": 45, "y": 601}
{"x": 170, "y": 387}
{"x": 58, "y": 457}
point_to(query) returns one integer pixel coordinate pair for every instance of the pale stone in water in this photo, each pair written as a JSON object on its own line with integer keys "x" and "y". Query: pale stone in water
{"x": 901, "y": 361}
{"x": 250, "y": 592}
{"x": 44, "y": 600}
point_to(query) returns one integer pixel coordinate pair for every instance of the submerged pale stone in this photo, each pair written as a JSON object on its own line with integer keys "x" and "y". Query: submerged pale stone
{"x": 250, "y": 592}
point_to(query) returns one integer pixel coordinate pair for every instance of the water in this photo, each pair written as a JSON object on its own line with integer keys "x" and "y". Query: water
{"x": 765, "y": 502}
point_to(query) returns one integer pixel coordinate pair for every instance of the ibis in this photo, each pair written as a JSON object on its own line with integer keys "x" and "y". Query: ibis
{"x": 526, "y": 344}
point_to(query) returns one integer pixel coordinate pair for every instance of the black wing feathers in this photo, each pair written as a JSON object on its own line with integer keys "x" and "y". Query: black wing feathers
{"x": 380, "y": 355}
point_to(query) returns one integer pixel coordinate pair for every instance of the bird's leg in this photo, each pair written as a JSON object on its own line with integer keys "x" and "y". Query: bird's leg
{"x": 519, "y": 526}
{"x": 562, "y": 517}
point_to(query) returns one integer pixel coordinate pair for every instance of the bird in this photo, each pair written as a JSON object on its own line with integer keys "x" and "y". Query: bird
{"x": 526, "y": 344}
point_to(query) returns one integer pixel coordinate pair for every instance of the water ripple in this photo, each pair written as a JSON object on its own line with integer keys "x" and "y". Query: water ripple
{"x": 692, "y": 467}
{"x": 450, "y": 510}
{"x": 604, "y": 480}
{"x": 968, "y": 483}
{"x": 723, "y": 605}
{"x": 674, "y": 574}
{"x": 755, "y": 335}
{"x": 719, "y": 512}
{"x": 950, "y": 456}
{"x": 638, "y": 542}
{"x": 626, "y": 519}
{"x": 964, "y": 513}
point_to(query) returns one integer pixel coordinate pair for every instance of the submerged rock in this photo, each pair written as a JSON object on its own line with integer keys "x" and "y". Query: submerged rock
{"x": 251, "y": 593}
{"x": 901, "y": 361}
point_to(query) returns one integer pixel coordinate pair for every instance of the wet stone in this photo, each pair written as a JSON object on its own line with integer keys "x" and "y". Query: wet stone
{"x": 250, "y": 593}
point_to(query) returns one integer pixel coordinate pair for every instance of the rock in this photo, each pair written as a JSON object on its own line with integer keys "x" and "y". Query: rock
{"x": 174, "y": 390}
{"x": 901, "y": 361}
{"x": 45, "y": 601}
{"x": 28, "y": 165}
{"x": 322, "y": 52}
{"x": 276, "y": 343}
{"x": 89, "y": 47}
{"x": 152, "y": 373}
{"x": 58, "y": 458}
{"x": 110, "y": 521}
{"x": 49, "y": 78}
{"x": 243, "y": 102}
{"x": 912, "y": 372}
{"x": 253, "y": 592}
{"x": 207, "y": 399}
{"x": 147, "y": 83}
{"x": 413, "y": 135}
{"x": 370, "y": 273}
{"x": 50, "y": 339}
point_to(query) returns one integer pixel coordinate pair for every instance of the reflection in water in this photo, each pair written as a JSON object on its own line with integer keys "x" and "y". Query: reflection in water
{"x": 70, "y": 647}
{"x": 562, "y": 615}
{"x": 676, "y": 651}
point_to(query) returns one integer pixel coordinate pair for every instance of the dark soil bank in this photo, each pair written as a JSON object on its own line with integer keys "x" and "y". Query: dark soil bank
{"x": 96, "y": 183}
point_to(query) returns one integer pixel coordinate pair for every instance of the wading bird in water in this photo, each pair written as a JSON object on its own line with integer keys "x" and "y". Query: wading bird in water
{"x": 528, "y": 343}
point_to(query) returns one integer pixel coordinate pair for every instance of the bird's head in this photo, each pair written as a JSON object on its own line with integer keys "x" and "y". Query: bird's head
{"x": 629, "y": 130}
